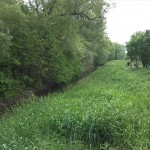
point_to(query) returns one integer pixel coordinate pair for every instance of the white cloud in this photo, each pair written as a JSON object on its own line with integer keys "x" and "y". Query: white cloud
{"x": 128, "y": 17}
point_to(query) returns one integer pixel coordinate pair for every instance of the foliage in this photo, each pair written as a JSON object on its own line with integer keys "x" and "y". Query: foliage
{"x": 51, "y": 41}
{"x": 108, "y": 51}
{"x": 8, "y": 87}
{"x": 138, "y": 48}
{"x": 119, "y": 51}
{"x": 5, "y": 42}
{"x": 5, "y": 85}
{"x": 100, "y": 112}
{"x": 103, "y": 52}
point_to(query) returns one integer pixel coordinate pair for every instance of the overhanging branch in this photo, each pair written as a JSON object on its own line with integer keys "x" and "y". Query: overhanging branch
{"x": 82, "y": 14}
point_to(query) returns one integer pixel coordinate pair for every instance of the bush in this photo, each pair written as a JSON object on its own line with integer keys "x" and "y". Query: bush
{"x": 5, "y": 86}
{"x": 9, "y": 87}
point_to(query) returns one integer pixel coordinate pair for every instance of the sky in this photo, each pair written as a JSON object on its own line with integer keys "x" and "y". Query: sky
{"x": 128, "y": 17}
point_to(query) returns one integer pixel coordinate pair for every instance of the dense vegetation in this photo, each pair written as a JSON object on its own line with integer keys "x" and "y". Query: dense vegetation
{"x": 51, "y": 42}
{"x": 108, "y": 109}
{"x": 139, "y": 48}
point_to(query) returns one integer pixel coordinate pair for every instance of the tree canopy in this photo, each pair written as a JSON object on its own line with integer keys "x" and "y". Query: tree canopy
{"x": 50, "y": 41}
{"x": 139, "y": 47}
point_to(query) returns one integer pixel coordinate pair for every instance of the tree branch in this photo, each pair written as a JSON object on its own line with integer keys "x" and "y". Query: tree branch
{"x": 82, "y": 14}
{"x": 53, "y": 5}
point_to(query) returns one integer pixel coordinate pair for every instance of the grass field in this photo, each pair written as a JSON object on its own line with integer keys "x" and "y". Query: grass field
{"x": 109, "y": 109}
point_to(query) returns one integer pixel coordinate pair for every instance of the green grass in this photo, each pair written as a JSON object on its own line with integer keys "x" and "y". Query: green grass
{"x": 109, "y": 109}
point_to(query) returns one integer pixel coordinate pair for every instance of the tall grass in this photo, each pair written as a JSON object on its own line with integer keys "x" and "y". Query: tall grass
{"x": 110, "y": 109}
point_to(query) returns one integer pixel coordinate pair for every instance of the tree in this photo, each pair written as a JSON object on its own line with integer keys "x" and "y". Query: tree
{"x": 119, "y": 51}
{"x": 51, "y": 41}
{"x": 109, "y": 51}
{"x": 138, "y": 48}
{"x": 144, "y": 52}
{"x": 5, "y": 43}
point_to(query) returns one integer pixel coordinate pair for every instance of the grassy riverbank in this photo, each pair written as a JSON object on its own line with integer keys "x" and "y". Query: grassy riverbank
{"x": 108, "y": 109}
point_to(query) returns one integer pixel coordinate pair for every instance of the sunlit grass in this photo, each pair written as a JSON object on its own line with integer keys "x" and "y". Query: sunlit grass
{"x": 108, "y": 109}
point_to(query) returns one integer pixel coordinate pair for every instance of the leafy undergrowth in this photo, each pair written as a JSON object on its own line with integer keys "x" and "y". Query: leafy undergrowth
{"x": 110, "y": 109}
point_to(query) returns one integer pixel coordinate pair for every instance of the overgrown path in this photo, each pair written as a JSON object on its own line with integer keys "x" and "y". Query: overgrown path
{"x": 108, "y": 109}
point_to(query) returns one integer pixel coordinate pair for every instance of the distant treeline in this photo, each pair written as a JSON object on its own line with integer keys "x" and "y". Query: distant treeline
{"x": 51, "y": 42}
